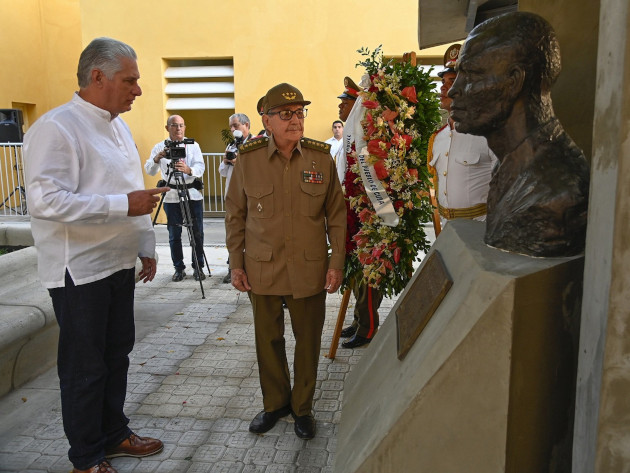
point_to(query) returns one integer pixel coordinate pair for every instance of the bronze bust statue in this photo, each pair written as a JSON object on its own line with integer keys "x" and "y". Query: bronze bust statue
{"x": 538, "y": 197}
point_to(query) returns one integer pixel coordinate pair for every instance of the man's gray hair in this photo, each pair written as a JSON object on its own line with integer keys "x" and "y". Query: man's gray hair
{"x": 104, "y": 54}
{"x": 242, "y": 118}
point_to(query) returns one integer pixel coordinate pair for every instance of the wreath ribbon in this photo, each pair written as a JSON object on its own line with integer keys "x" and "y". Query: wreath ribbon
{"x": 376, "y": 192}
{"x": 353, "y": 133}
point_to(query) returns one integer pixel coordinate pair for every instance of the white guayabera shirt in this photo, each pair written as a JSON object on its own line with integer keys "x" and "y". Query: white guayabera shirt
{"x": 79, "y": 167}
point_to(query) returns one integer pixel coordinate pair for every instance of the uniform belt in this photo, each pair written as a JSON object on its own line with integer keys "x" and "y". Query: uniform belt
{"x": 467, "y": 212}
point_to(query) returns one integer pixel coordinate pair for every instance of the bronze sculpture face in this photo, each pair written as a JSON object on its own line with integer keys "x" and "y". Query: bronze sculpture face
{"x": 538, "y": 196}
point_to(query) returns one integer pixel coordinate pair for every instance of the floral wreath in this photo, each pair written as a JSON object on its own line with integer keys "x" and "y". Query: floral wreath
{"x": 401, "y": 111}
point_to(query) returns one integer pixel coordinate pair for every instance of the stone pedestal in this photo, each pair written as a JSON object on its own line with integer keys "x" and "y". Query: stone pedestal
{"x": 489, "y": 384}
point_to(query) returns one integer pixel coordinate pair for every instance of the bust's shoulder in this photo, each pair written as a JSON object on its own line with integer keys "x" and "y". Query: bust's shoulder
{"x": 316, "y": 145}
{"x": 256, "y": 143}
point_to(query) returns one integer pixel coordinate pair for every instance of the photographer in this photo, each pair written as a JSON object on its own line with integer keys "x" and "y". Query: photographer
{"x": 238, "y": 122}
{"x": 192, "y": 168}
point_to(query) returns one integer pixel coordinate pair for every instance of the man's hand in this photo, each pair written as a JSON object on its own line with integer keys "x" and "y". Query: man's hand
{"x": 160, "y": 155}
{"x": 149, "y": 268}
{"x": 181, "y": 166}
{"x": 229, "y": 162}
{"x": 239, "y": 280}
{"x": 333, "y": 280}
{"x": 143, "y": 202}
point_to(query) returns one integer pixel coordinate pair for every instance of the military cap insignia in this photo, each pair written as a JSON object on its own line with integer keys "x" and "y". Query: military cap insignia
{"x": 254, "y": 144}
{"x": 289, "y": 95}
{"x": 451, "y": 55}
{"x": 314, "y": 144}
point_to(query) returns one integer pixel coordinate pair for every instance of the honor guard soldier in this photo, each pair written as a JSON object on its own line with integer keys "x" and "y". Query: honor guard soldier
{"x": 284, "y": 207}
{"x": 460, "y": 164}
{"x": 367, "y": 299}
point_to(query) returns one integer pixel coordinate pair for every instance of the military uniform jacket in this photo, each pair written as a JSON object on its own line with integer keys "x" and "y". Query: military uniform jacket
{"x": 279, "y": 213}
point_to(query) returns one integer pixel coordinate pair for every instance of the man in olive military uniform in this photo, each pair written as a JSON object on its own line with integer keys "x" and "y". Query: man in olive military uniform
{"x": 284, "y": 201}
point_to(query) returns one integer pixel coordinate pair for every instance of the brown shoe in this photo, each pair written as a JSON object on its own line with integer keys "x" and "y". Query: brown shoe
{"x": 102, "y": 467}
{"x": 134, "y": 446}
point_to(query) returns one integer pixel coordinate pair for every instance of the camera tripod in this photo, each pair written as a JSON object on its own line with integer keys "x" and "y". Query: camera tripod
{"x": 187, "y": 218}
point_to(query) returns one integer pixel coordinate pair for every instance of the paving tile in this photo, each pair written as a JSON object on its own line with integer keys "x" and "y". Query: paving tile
{"x": 193, "y": 382}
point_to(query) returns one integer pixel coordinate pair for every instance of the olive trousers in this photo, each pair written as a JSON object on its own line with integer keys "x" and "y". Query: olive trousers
{"x": 307, "y": 322}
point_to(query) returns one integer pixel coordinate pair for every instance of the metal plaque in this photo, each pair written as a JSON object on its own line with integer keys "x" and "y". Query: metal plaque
{"x": 421, "y": 301}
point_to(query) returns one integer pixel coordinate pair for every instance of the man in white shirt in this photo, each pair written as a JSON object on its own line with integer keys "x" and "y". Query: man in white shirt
{"x": 336, "y": 148}
{"x": 240, "y": 122}
{"x": 461, "y": 164}
{"x": 191, "y": 169}
{"x": 90, "y": 221}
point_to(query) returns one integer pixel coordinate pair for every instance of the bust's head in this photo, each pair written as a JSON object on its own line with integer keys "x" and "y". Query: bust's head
{"x": 511, "y": 57}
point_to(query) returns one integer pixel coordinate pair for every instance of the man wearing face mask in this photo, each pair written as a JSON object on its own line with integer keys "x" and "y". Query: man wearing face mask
{"x": 239, "y": 126}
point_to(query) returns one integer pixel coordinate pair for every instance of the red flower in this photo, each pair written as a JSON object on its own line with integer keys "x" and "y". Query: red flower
{"x": 370, "y": 104}
{"x": 402, "y": 140}
{"x": 365, "y": 258}
{"x": 360, "y": 239}
{"x": 397, "y": 205}
{"x": 389, "y": 115}
{"x": 371, "y": 129}
{"x": 396, "y": 255}
{"x": 375, "y": 149}
{"x": 381, "y": 172}
{"x": 414, "y": 172}
{"x": 410, "y": 94}
{"x": 365, "y": 215}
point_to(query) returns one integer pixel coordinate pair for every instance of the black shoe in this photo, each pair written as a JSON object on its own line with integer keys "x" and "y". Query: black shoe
{"x": 264, "y": 421}
{"x": 198, "y": 275}
{"x": 179, "y": 275}
{"x": 228, "y": 277}
{"x": 304, "y": 426}
{"x": 356, "y": 341}
{"x": 348, "y": 331}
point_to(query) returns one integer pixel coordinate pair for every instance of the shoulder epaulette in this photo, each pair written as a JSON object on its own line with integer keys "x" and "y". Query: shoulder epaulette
{"x": 441, "y": 128}
{"x": 254, "y": 144}
{"x": 314, "y": 144}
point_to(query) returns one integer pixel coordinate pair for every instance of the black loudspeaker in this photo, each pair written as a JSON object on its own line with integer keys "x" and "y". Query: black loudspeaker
{"x": 11, "y": 122}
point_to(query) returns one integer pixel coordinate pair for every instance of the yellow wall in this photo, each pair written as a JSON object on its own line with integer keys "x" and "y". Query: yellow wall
{"x": 305, "y": 43}
{"x": 311, "y": 44}
{"x": 39, "y": 50}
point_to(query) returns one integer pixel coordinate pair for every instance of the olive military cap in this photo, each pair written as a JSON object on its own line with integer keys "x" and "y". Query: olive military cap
{"x": 351, "y": 89}
{"x": 283, "y": 94}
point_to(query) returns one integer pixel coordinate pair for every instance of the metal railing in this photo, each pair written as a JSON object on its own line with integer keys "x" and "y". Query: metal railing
{"x": 13, "y": 195}
{"x": 213, "y": 186}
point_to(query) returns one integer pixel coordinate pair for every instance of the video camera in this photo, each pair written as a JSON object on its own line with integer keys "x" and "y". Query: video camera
{"x": 173, "y": 150}
{"x": 232, "y": 150}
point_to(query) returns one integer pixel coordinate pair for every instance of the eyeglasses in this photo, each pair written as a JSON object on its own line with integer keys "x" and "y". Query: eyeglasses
{"x": 177, "y": 125}
{"x": 288, "y": 114}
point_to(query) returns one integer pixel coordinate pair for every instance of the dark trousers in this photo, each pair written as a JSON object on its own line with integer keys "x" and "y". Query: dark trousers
{"x": 174, "y": 221}
{"x": 307, "y": 321}
{"x": 96, "y": 335}
{"x": 368, "y": 300}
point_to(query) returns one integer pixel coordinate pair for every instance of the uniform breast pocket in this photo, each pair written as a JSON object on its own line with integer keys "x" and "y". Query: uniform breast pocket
{"x": 259, "y": 201}
{"x": 466, "y": 159}
{"x": 312, "y": 198}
